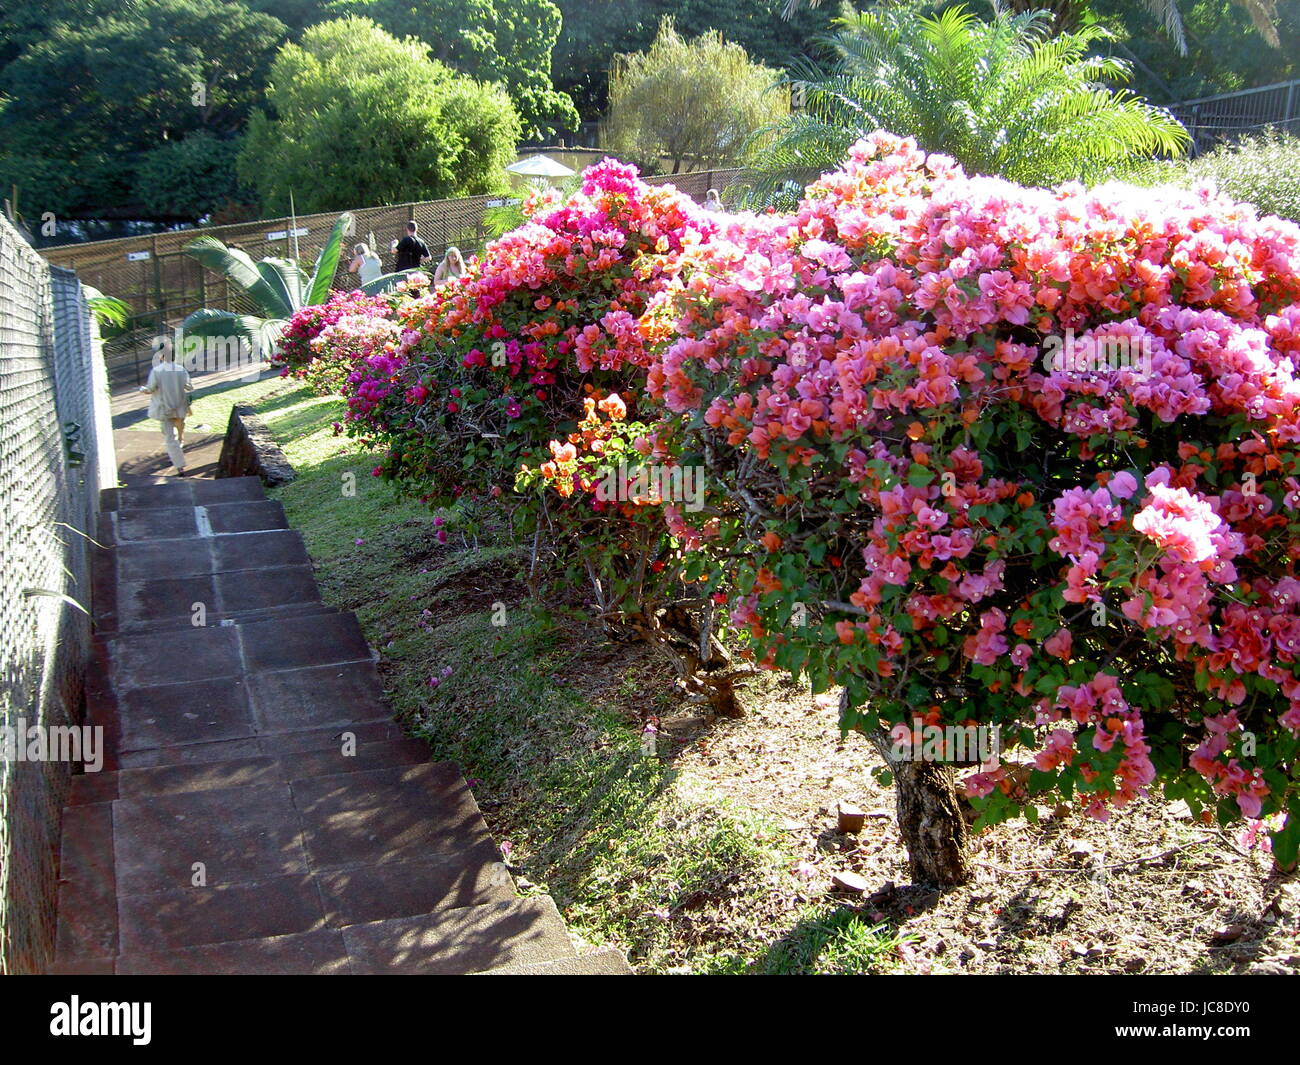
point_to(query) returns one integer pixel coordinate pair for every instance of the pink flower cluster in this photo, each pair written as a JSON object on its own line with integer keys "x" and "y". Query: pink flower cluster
{"x": 888, "y": 348}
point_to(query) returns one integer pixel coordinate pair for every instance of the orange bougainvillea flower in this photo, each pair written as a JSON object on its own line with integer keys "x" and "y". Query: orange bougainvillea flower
{"x": 771, "y": 541}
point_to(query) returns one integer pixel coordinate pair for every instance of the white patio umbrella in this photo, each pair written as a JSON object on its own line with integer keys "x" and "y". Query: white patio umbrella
{"x": 539, "y": 166}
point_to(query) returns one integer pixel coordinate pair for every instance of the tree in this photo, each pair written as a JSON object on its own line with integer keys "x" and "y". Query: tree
{"x": 189, "y": 178}
{"x": 84, "y": 103}
{"x": 504, "y": 41}
{"x": 594, "y": 31}
{"x": 1222, "y": 52}
{"x": 1069, "y": 16}
{"x": 993, "y": 458}
{"x": 1001, "y": 97}
{"x": 697, "y": 102}
{"x": 358, "y": 117}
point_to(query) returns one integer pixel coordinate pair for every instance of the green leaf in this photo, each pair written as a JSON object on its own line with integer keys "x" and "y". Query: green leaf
{"x": 45, "y": 592}
{"x": 327, "y": 262}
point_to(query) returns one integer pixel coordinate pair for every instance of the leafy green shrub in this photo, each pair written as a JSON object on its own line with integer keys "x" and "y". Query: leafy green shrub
{"x": 1263, "y": 171}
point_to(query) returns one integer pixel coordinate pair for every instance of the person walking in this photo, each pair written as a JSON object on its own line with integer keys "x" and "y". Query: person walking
{"x": 451, "y": 267}
{"x": 713, "y": 202}
{"x": 169, "y": 389}
{"x": 365, "y": 263}
{"x": 411, "y": 251}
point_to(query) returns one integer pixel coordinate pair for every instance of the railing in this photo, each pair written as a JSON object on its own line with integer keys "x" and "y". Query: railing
{"x": 1212, "y": 120}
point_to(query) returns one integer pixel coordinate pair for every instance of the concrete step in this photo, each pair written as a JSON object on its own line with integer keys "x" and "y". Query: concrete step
{"x": 240, "y": 617}
{"x": 194, "y": 653}
{"x": 197, "y": 916}
{"x": 145, "y": 560}
{"x": 328, "y": 739}
{"x": 604, "y": 962}
{"x": 217, "y": 599}
{"x": 466, "y": 940}
{"x": 469, "y": 940}
{"x": 186, "y": 522}
{"x": 182, "y": 492}
{"x": 260, "y": 831}
{"x": 317, "y": 953}
{"x": 347, "y": 754}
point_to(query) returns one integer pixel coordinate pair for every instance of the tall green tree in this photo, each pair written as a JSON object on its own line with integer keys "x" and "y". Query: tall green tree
{"x": 84, "y": 104}
{"x": 504, "y": 41}
{"x": 699, "y": 102}
{"x": 356, "y": 116}
{"x": 1003, "y": 97}
{"x": 594, "y": 31}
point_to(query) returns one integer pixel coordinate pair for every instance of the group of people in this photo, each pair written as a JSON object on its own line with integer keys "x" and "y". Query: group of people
{"x": 169, "y": 384}
{"x": 410, "y": 253}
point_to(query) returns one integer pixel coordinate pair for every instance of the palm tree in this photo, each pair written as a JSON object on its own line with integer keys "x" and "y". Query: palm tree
{"x": 278, "y": 287}
{"x": 1002, "y": 97}
{"x": 1067, "y": 16}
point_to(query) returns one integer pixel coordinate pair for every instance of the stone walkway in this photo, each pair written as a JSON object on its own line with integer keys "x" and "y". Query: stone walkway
{"x": 259, "y": 811}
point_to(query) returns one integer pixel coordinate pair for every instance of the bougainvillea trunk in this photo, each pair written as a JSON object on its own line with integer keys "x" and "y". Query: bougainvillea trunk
{"x": 929, "y": 814}
{"x": 930, "y": 819}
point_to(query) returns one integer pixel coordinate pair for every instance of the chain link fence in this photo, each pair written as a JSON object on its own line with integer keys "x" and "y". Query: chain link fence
{"x": 163, "y": 285}
{"x": 55, "y": 455}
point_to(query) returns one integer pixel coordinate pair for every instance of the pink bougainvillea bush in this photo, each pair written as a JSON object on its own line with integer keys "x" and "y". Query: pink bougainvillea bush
{"x": 494, "y": 383}
{"x": 322, "y": 344}
{"x": 494, "y": 364}
{"x": 1010, "y": 457}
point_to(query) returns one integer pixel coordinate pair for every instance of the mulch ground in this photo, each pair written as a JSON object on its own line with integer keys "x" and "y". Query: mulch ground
{"x": 1151, "y": 891}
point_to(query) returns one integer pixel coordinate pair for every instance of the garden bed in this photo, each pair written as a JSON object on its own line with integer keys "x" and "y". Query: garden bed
{"x": 718, "y": 853}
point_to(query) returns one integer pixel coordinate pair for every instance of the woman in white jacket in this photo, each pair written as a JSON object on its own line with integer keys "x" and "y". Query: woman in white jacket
{"x": 169, "y": 389}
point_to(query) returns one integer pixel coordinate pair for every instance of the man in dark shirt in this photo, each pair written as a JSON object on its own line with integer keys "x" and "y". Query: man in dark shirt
{"x": 411, "y": 250}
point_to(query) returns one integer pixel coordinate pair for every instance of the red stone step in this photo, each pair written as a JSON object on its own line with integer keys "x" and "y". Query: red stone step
{"x": 468, "y": 940}
{"x": 603, "y": 962}
{"x": 170, "y": 779}
{"x": 180, "y": 492}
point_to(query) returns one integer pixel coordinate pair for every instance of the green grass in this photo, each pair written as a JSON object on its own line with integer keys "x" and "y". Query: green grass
{"x": 834, "y": 942}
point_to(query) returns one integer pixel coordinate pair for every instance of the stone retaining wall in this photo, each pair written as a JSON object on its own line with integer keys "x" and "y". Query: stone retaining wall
{"x": 249, "y": 449}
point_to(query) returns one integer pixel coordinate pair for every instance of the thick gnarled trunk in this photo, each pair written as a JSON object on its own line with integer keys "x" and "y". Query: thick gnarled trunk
{"x": 929, "y": 818}
{"x": 929, "y": 814}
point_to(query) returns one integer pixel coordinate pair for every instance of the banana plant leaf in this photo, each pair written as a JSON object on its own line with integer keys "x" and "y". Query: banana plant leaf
{"x": 384, "y": 283}
{"x": 261, "y": 334}
{"x": 327, "y": 262}
{"x": 284, "y": 278}
{"x": 236, "y": 265}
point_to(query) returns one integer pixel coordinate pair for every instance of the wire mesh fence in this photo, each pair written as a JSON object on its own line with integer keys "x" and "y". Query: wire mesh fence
{"x": 163, "y": 285}
{"x": 53, "y": 413}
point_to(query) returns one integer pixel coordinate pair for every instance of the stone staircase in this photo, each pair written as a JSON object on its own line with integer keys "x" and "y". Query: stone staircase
{"x": 258, "y": 810}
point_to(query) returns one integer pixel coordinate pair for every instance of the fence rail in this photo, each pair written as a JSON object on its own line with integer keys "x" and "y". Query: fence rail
{"x": 163, "y": 285}
{"x": 1211, "y": 120}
